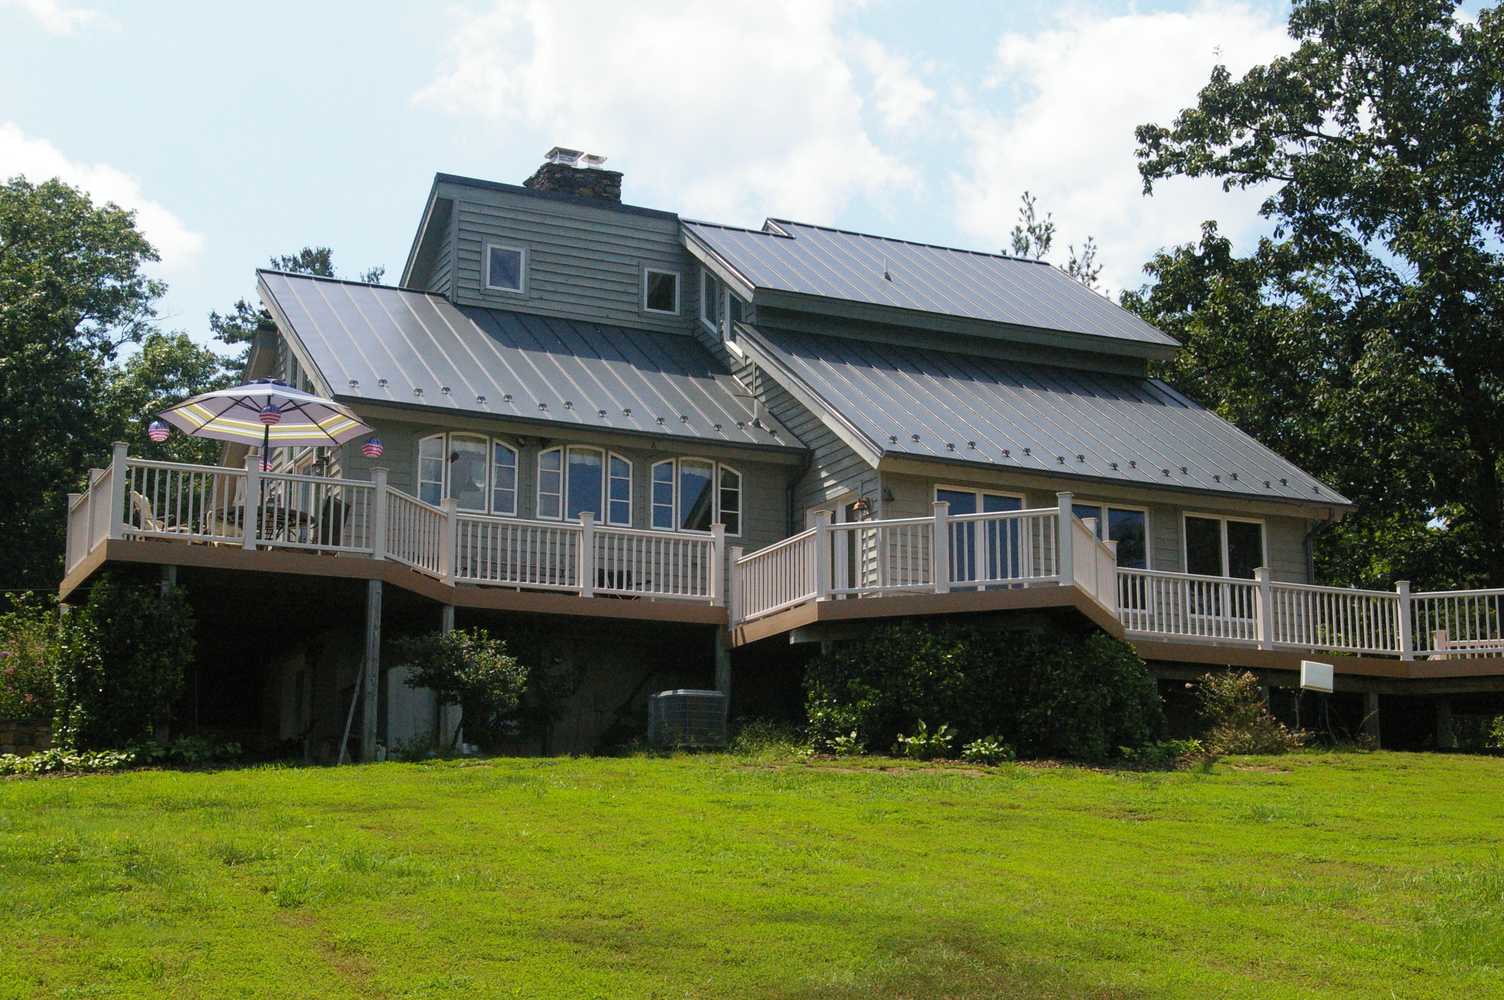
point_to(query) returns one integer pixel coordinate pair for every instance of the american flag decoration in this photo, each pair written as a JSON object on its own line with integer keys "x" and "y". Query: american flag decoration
{"x": 373, "y": 448}
{"x": 270, "y": 415}
{"x": 158, "y": 431}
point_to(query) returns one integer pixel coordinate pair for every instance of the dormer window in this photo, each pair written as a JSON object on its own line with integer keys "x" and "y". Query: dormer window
{"x": 660, "y": 291}
{"x": 506, "y": 269}
{"x": 710, "y": 302}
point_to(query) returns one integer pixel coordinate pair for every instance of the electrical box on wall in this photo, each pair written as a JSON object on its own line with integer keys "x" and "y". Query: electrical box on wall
{"x": 1316, "y": 676}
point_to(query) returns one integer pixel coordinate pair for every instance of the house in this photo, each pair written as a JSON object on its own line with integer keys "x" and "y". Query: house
{"x": 663, "y": 447}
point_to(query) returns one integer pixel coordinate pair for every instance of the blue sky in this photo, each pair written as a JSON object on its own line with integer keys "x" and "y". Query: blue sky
{"x": 240, "y": 132}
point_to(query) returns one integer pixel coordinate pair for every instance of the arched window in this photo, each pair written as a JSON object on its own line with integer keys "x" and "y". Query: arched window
{"x": 663, "y": 495}
{"x": 730, "y": 499}
{"x": 573, "y": 480}
{"x": 691, "y": 494}
{"x": 550, "y": 483}
{"x": 469, "y": 471}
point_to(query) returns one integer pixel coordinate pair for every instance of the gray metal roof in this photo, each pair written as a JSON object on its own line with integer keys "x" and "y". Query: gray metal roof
{"x": 376, "y": 344}
{"x": 935, "y": 404}
{"x": 833, "y": 263}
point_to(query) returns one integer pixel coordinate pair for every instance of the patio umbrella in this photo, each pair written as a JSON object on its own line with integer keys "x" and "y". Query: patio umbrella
{"x": 266, "y": 412}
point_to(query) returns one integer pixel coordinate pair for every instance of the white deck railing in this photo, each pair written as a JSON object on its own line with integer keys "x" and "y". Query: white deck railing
{"x": 774, "y": 578}
{"x": 414, "y": 533}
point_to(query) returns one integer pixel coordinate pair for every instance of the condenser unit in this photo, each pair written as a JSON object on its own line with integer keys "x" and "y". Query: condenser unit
{"x": 687, "y": 718}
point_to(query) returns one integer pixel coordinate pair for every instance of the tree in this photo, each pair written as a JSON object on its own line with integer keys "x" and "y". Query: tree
{"x": 165, "y": 369}
{"x": 1373, "y": 315}
{"x": 468, "y": 668}
{"x": 239, "y": 326}
{"x": 1033, "y": 237}
{"x": 73, "y": 292}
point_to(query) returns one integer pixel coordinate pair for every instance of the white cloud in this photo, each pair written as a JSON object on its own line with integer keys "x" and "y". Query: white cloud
{"x": 897, "y": 91}
{"x": 58, "y": 18}
{"x": 1068, "y": 99}
{"x": 717, "y": 110}
{"x": 38, "y": 160}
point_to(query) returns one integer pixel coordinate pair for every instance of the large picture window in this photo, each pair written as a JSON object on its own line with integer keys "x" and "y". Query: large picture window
{"x": 478, "y": 472}
{"x": 691, "y": 494}
{"x": 575, "y": 479}
{"x": 982, "y": 550}
{"x": 1224, "y": 546}
{"x": 1128, "y": 526}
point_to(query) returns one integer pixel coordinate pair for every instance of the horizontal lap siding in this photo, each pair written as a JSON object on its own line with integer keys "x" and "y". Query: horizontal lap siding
{"x": 835, "y": 469}
{"x": 583, "y": 262}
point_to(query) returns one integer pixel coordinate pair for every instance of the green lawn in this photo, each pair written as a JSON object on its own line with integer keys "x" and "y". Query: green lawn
{"x": 716, "y": 876}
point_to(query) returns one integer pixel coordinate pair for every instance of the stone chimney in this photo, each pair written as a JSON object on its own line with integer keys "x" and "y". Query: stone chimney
{"x": 569, "y": 171}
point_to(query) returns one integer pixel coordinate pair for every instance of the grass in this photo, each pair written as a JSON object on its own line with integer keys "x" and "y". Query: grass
{"x": 758, "y": 875}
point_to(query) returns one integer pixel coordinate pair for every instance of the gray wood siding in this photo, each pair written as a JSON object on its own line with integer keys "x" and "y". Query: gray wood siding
{"x": 764, "y": 484}
{"x": 834, "y": 468}
{"x": 1284, "y": 537}
{"x": 584, "y": 262}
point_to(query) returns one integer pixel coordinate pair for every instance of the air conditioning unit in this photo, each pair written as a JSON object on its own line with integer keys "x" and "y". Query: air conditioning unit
{"x": 687, "y": 718}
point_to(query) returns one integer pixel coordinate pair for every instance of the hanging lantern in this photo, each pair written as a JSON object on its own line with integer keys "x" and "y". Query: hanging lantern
{"x": 270, "y": 415}
{"x": 158, "y": 431}
{"x": 373, "y": 448}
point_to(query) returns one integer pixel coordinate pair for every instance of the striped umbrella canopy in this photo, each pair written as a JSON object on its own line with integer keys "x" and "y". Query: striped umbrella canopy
{"x": 266, "y": 412}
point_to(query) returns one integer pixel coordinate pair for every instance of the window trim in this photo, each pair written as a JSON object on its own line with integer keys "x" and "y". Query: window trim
{"x": 606, "y": 456}
{"x": 721, "y": 468}
{"x": 978, "y": 491}
{"x": 1223, "y": 519}
{"x": 713, "y": 325}
{"x": 485, "y": 275}
{"x": 1103, "y": 505}
{"x": 443, "y": 439}
{"x": 715, "y": 486}
{"x": 485, "y": 439}
{"x": 516, "y": 477}
{"x": 538, "y": 485}
{"x": 678, "y": 291}
{"x": 606, "y": 493}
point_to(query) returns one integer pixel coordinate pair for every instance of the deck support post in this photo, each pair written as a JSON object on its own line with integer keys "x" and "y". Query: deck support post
{"x": 1446, "y": 732}
{"x": 723, "y": 661}
{"x": 1371, "y": 716}
{"x": 733, "y": 586}
{"x": 1065, "y": 540}
{"x": 169, "y": 579}
{"x": 1263, "y": 598}
{"x": 586, "y": 554}
{"x": 940, "y": 547}
{"x": 117, "y": 490}
{"x": 447, "y": 716}
{"x": 378, "y": 513}
{"x": 250, "y": 519}
{"x": 717, "y": 582}
{"x": 372, "y": 686}
{"x": 822, "y": 555}
{"x": 449, "y": 540}
{"x": 1404, "y": 622}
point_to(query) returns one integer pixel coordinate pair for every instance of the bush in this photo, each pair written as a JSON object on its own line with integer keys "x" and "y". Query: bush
{"x": 120, "y": 664}
{"x": 28, "y": 634}
{"x": 987, "y": 750}
{"x": 764, "y": 739}
{"x": 1163, "y": 754}
{"x": 1494, "y": 739}
{"x": 1047, "y": 693}
{"x": 62, "y": 760}
{"x": 1238, "y": 720}
{"x": 926, "y": 744}
{"x": 468, "y": 668}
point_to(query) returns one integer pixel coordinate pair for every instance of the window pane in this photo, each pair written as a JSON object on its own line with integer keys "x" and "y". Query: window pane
{"x": 620, "y": 494}
{"x": 1203, "y": 546}
{"x": 1245, "y": 548}
{"x": 663, "y": 495}
{"x": 467, "y": 472}
{"x": 503, "y": 480}
{"x": 584, "y": 483}
{"x": 506, "y": 269}
{"x": 431, "y": 470}
{"x": 696, "y": 499}
{"x": 550, "y": 482}
{"x": 710, "y": 299}
{"x": 1085, "y": 510}
{"x": 731, "y": 501}
{"x": 1130, "y": 529}
{"x": 663, "y": 292}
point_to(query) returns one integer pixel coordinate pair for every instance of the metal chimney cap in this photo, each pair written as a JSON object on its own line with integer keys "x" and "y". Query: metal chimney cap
{"x": 563, "y": 154}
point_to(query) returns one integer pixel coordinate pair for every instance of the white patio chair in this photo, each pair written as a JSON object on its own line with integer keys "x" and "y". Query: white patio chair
{"x": 148, "y": 517}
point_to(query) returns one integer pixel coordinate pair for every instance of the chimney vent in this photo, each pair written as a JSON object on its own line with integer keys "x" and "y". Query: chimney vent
{"x": 572, "y": 172}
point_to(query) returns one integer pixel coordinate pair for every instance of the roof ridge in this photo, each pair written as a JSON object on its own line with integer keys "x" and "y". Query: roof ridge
{"x": 343, "y": 281}
{"x": 738, "y": 229}
{"x": 898, "y": 239}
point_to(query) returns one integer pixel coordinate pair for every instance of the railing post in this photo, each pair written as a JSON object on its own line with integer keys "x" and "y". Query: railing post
{"x": 449, "y": 540}
{"x": 717, "y": 579}
{"x": 378, "y": 513}
{"x": 1405, "y": 621}
{"x": 250, "y": 504}
{"x": 69, "y": 545}
{"x": 1065, "y": 540}
{"x": 940, "y": 547}
{"x": 1264, "y": 607}
{"x": 587, "y": 553}
{"x": 89, "y": 512}
{"x": 734, "y": 593}
{"x": 822, "y": 555}
{"x": 1109, "y": 593}
{"x": 117, "y": 490}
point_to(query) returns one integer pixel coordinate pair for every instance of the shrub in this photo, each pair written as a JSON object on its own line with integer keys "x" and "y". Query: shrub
{"x": 468, "y": 668}
{"x": 926, "y": 744}
{"x": 120, "y": 664}
{"x": 1494, "y": 740}
{"x": 189, "y": 750}
{"x": 28, "y": 634}
{"x": 1238, "y": 720}
{"x": 764, "y": 738}
{"x": 987, "y": 750}
{"x": 61, "y": 759}
{"x": 1046, "y": 693}
{"x": 1164, "y": 753}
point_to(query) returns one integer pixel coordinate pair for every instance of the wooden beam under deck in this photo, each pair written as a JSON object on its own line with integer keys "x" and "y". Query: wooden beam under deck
{"x": 233, "y": 558}
{"x": 1377, "y": 667}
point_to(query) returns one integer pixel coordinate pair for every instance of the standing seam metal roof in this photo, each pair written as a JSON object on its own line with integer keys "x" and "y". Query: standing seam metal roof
{"x": 837, "y": 264}
{"x": 936, "y": 404}
{"x": 378, "y": 344}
